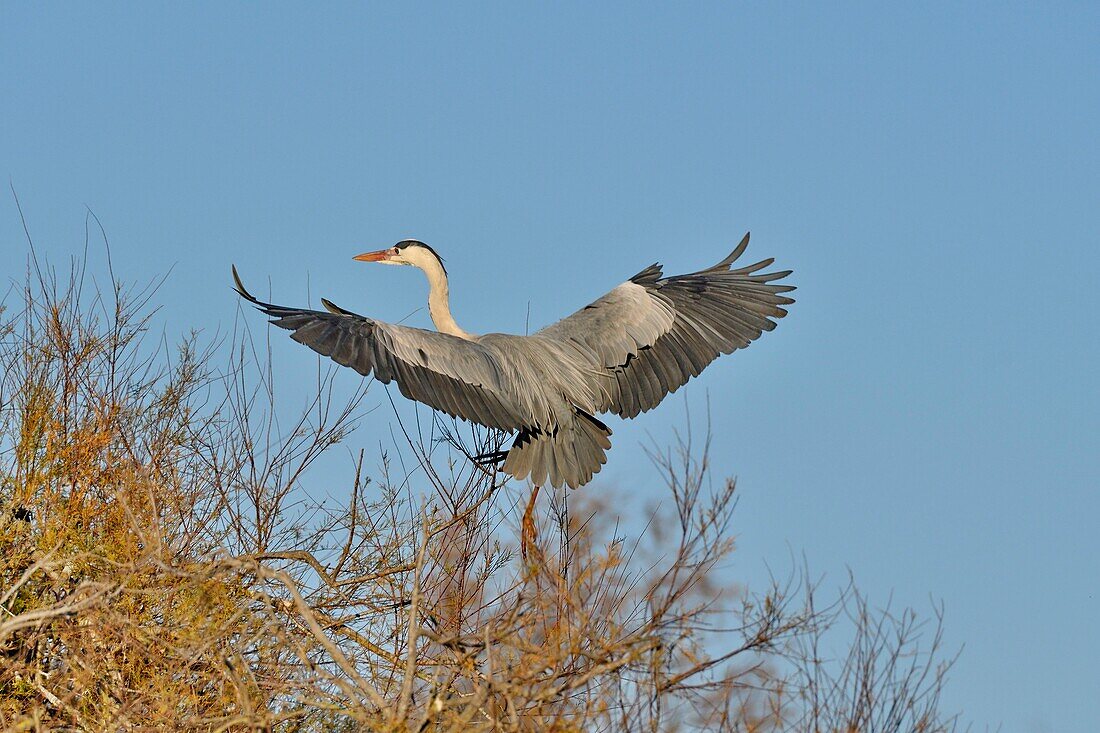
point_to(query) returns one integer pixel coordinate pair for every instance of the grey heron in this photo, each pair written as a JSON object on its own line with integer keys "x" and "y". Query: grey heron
{"x": 620, "y": 354}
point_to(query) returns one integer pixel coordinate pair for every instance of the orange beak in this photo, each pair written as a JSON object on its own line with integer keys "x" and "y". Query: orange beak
{"x": 378, "y": 256}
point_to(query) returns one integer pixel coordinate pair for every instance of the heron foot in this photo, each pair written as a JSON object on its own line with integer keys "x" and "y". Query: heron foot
{"x": 490, "y": 458}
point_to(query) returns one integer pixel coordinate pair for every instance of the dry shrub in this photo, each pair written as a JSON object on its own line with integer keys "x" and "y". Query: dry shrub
{"x": 162, "y": 567}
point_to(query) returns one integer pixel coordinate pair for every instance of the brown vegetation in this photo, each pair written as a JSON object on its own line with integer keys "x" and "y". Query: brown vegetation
{"x": 162, "y": 567}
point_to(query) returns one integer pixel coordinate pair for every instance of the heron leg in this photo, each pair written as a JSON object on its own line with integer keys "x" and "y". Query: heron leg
{"x": 528, "y": 531}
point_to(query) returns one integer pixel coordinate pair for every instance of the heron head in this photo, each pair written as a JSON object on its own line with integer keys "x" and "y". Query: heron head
{"x": 405, "y": 252}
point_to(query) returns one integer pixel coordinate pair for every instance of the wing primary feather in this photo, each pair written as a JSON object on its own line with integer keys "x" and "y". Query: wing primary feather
{"x": 732, "y": 257}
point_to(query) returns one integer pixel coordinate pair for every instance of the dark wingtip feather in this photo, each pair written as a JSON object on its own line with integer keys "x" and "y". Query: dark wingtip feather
{"x": 649, "y": 275}
{"x": 732, "y": 257}
{"x": 333, "y": 308}
{"x": 771, "y": 276}
{"x": 749, "y": 269}
{"x": 240, "y": 288}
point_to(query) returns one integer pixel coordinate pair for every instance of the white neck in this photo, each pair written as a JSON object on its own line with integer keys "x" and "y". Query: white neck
{"x": 439, "y": 306}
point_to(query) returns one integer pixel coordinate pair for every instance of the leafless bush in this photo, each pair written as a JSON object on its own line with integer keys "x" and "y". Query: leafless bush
{"x": 162, "y": 566}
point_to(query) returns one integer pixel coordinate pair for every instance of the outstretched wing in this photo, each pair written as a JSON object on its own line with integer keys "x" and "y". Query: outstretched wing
{"x": 652, "y": 333}
{"x": 450, "y": 374}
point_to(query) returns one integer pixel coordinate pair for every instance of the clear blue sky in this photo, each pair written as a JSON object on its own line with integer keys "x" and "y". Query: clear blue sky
{"x": 928, "y": 415}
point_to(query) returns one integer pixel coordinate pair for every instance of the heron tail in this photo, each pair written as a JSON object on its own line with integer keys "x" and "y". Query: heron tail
{"x": 569, "y": 455}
